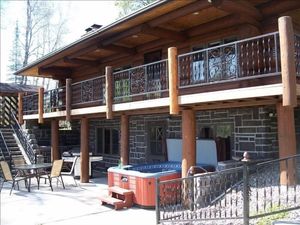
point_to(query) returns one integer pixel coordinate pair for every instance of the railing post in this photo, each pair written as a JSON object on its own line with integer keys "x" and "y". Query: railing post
{"x": 287, "y": 54}
{"x": 173, "y": 80}
{"x": 246, "y": 189}
{"x": 157, "y": 201}
{"x": 41, "y": 105}
{"x": 20, "y": 108}
{"x": 68, "y": 98}
{"x": 108, "y": 92}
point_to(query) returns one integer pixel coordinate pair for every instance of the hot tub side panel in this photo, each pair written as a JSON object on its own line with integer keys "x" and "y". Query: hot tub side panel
{"x": 143, "y": 187}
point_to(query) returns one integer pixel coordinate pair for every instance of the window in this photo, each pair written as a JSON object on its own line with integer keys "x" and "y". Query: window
{"x": 157, "y": 150}
{"x": 107, "y": 141}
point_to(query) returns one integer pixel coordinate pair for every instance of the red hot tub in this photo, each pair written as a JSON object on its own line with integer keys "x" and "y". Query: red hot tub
{"x": 141, "y": 179}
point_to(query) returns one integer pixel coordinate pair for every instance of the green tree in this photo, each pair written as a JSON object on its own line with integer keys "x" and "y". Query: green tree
{"x": 15, "y": 56}
{"x": 128, "y": 6}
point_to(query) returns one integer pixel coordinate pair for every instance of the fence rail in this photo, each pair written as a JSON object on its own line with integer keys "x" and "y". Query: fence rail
{"x": 148, "y": 80}
{"x": 54, "y": 99}
{"x": 30, "y": 104}
{"x": 243, "y": 59}
{"x": 243, "y": 193}
{"x": 89, "y": 91}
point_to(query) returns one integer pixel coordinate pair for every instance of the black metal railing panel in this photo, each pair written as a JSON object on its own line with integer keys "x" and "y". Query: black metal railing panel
{"x": 54, "y": 100}
{"x": 273, "y": 191}
{"x": 297, "y": 54}
{"x": 89, "y": 91}
{"x": 244, "y": 193}
{"x": 202, "y": 197}
{"x": 148, "y": 80}
{"x": 242, "y": 59}
{"x": 30, "y": 104}
{"x": 23, "y": 139}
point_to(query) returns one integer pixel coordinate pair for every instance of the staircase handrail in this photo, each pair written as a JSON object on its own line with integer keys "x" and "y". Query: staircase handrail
{"x": 23, "y": 139}
{"x": 5, "y": 145}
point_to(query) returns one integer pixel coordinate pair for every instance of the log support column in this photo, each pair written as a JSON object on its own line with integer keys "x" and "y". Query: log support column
{"x": 84, "y": 151}
{"x": 124, "y": 140}
{"x": 41, "y": 105}
{"x": 20, "y": 108}
{"x": 55, "y": 154}
{"x": 287, "y": 56}
{"x": 68, "y": 99}
{"x": 287, "y": 142}
{"x": 188, "y": 140}
{"x": 108, "y": 92}
{"x": 173, "y": 80}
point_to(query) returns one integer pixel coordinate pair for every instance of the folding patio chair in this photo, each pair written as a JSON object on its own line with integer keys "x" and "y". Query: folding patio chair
{"x": 8, "y": 177}
{"x": 71, "y": 171}
{"x": 55, "y": 173}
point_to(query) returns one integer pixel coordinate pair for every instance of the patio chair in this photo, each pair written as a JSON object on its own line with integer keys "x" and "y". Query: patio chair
{"x": 7, "y": 175}
{"x": 71, "y": 171}
{"x": 55, "y": 173}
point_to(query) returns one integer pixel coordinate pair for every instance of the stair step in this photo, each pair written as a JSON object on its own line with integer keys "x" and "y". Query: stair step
{"x": 119, "y": 190}
{"x": 117, "y": 203}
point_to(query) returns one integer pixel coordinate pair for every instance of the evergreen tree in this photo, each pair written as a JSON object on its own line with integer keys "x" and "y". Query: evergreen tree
{"x": 128, "y": 6}
{"x": 15, "y": 56}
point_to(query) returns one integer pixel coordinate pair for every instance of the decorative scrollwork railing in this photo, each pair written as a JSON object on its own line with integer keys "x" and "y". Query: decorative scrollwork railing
{"x": 89, "y": 91}
{"x": 148, "y": 80}
{"x": 30, "y": 104}
{"x": 243, "y": 59}
{"x": 297, "y": 54}
{"x": 54, "y": 99}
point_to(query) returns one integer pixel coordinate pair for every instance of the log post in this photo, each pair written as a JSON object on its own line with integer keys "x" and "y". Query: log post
{"x": 68, "y": 99}
{"x": 108, "y": 92}
{"x": 286, "y": 142}
{"x": 287, "y": 56}
{"x": 84, "y": 150}
{"x": 20, "y": 108}
{"x": 173, "y": 80}
{"x": 124, "y": 140}
{"x": 188, "y": 140}
{"x": 41, "y": 105}
{"x": 55, "y": 153}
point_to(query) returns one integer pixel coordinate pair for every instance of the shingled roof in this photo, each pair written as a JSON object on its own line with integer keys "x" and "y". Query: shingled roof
{"x": 14, "y": 89}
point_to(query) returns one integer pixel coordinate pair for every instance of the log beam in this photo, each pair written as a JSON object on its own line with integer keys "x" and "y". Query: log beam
{"x": 173, "y": 80}
{"x": 108, "y": 92}
{"x": 55, "y": 71}
{"x": 163, "y": 33}
{"x": 287, "y": 142}
{"x": 188, "y": 140}
{"x": 287, "y": 56}
{"x": 124, "y": 140}
{"x": 41, "y": 105}
{"x": 55, "y": 153}
{"x": 84, "y": 150}
{"x": 20, "y": 108}
{"x": 118, "y": 49}
{"x": 81, "y": 61}
{"x": 68, "y": 99}
{"x": 237, "y": 7}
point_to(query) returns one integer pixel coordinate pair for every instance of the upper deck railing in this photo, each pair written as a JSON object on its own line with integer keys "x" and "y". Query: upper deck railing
{"x": 250, "y": 58}
{"x": 89, "y": 91}
{"x": 30, "y": 104}
{"x": 146, "y": 81}
{"x": 54, "y": 100}
{"x": 245, "y": 59}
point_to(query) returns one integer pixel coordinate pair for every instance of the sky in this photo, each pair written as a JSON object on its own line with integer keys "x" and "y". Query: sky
{"x": 80, "y": 15}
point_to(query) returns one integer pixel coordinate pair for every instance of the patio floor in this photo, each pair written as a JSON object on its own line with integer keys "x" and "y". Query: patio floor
{"x": 73, "y": 205}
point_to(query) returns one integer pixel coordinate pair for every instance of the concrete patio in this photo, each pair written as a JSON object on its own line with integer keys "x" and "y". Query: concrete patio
{"x": 73, "y": 205}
